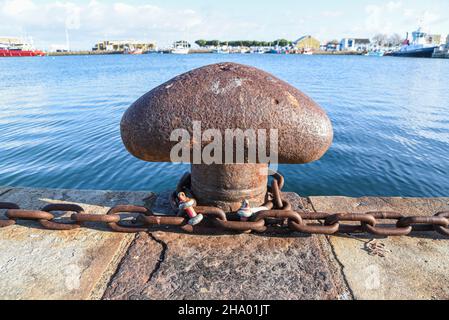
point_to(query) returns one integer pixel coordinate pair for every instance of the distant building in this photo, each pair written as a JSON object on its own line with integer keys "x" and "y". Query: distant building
{"x": 123, "y": 45}
{"x": 434, "y": 39}
{"x": 181, "y": 44}
{"x": 331, "y": 46}
{"x": 354, "y": 44}
{"x": 447, "y": 39}
{"x": 307, "y": 43}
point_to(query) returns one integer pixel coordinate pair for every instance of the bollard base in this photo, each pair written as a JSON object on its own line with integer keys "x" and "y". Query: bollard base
{"x": 226, "y": 186}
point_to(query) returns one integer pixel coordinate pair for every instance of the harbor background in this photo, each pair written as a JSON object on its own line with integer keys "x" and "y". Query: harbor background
{"x": 60, "y": 121}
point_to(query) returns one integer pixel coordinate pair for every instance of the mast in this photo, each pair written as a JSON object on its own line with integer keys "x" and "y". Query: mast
{"x": 67, "y": 40}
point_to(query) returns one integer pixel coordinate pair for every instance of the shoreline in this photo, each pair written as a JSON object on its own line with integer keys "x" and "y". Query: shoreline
{"x": 193, "y": 51}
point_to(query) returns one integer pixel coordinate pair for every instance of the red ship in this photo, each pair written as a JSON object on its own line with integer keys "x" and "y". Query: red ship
{"x": 16, "y": 47}
{"x": 20, "y": 53}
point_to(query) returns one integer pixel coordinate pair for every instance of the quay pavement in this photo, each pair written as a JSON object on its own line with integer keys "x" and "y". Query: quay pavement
{"x": 94, "y": 263}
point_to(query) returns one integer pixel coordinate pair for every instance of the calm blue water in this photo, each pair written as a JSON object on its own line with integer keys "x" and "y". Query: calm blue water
{"x": 59, "y": 122}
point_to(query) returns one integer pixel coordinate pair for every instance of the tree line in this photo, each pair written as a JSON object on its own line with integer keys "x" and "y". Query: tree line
{"x": 243, "y": 43}
{"x": 378, "y": 39}
{"x": 385, "y": 40}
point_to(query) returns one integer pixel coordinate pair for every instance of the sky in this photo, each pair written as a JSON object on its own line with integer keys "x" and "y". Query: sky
{"x": 164, "y": 21}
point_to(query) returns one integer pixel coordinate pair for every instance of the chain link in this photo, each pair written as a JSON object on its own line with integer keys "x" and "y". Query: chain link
{"x": 279, "y": 217}
{"x": 444, "y": 230}
{"x": 8, "y": 206}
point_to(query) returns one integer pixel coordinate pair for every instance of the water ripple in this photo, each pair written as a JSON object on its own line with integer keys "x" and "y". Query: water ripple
{"x": 59, "y": 122}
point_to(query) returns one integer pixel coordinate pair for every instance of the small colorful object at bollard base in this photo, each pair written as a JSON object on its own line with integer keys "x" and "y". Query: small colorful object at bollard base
{"x": 187, "y": 204}
{"x": 246, "y": 212}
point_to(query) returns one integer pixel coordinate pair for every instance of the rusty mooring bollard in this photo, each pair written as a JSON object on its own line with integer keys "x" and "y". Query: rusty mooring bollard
{"x": 227, "y": 96}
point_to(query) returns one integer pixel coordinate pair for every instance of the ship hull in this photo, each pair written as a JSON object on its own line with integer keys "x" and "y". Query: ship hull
{"x": 20, "y": 53}
{"x": 418, "y": 53}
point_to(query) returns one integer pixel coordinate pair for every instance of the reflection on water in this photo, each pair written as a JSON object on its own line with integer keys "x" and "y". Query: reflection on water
{"x": 59, "y": 122}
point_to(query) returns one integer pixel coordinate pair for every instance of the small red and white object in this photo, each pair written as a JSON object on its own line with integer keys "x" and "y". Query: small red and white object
{"x": 246, "y": 212}
{"x": 187, "y": 204}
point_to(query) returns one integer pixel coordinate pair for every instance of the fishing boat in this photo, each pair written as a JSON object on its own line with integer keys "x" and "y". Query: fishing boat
{"x": 419, "y": 47}
{"x": 14, "y": 47}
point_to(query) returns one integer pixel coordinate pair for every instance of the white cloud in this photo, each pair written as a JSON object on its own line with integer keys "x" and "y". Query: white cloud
{"x": 394, "y": 5}
{"x": 332, "y": 14}
{"x": 89, "y": 22}
{"x": 96, "y": 19}
{"x": 394, "y": 16}
{"x": 18, "y": 7}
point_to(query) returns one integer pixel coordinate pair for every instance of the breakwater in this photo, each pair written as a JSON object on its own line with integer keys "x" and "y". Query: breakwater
{"x": 83, "y": 53}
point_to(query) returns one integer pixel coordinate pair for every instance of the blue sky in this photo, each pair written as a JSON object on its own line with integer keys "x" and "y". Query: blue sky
{"x": 165, "y": 21}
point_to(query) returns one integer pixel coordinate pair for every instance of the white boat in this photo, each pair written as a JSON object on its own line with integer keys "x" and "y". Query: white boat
{"x": 221, "y": 51}
{"x": 308, "y": 52}
{"x": 180, "y": 51}
{"x": 259, "y": 51}
{"x": 181, "y": 47}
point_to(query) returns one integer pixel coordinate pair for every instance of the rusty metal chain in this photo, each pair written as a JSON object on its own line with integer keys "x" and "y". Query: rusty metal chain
{"x": 275, "y": 216}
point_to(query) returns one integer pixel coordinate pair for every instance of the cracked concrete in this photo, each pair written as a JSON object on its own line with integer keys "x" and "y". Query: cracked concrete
{"x": 161, "y": 257}
{"x": 42, "y": 264}
{"x": 408, "y": 267}
{"x": 4, "y": 191}
{"x": 142, "y": 267}
{"x": 228, "y": 267}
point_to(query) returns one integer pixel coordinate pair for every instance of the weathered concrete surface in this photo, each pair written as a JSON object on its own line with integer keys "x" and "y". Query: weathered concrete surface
{"x": 179, "y": 266}
{"x": 93, "y": 263}
{"x": 4, "y": 190}
{"x": 413, "y": 267}
{"x": 41, "y": 264}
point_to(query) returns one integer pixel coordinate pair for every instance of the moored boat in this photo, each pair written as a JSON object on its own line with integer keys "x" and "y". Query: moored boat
{"x": 181, "y": 47}
{"x": 21, "y": 53}
{"x": 221, "y": 51}
{"x": 419, "y": 47}
{"x": 308, "y": 52}
{"x": 15, "y": 47}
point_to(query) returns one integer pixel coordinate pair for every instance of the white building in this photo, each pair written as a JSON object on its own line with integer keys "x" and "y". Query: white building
{"x": 121, "y": 45}
{"x": 354, "y": 44}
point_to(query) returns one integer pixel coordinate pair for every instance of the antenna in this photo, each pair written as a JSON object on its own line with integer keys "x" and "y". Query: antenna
{"x": 67, "y": 40}
{"x": 421, "y": 22}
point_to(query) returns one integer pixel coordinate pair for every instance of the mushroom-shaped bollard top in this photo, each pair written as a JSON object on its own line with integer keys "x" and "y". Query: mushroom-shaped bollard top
{"x": 227, "y": 96}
